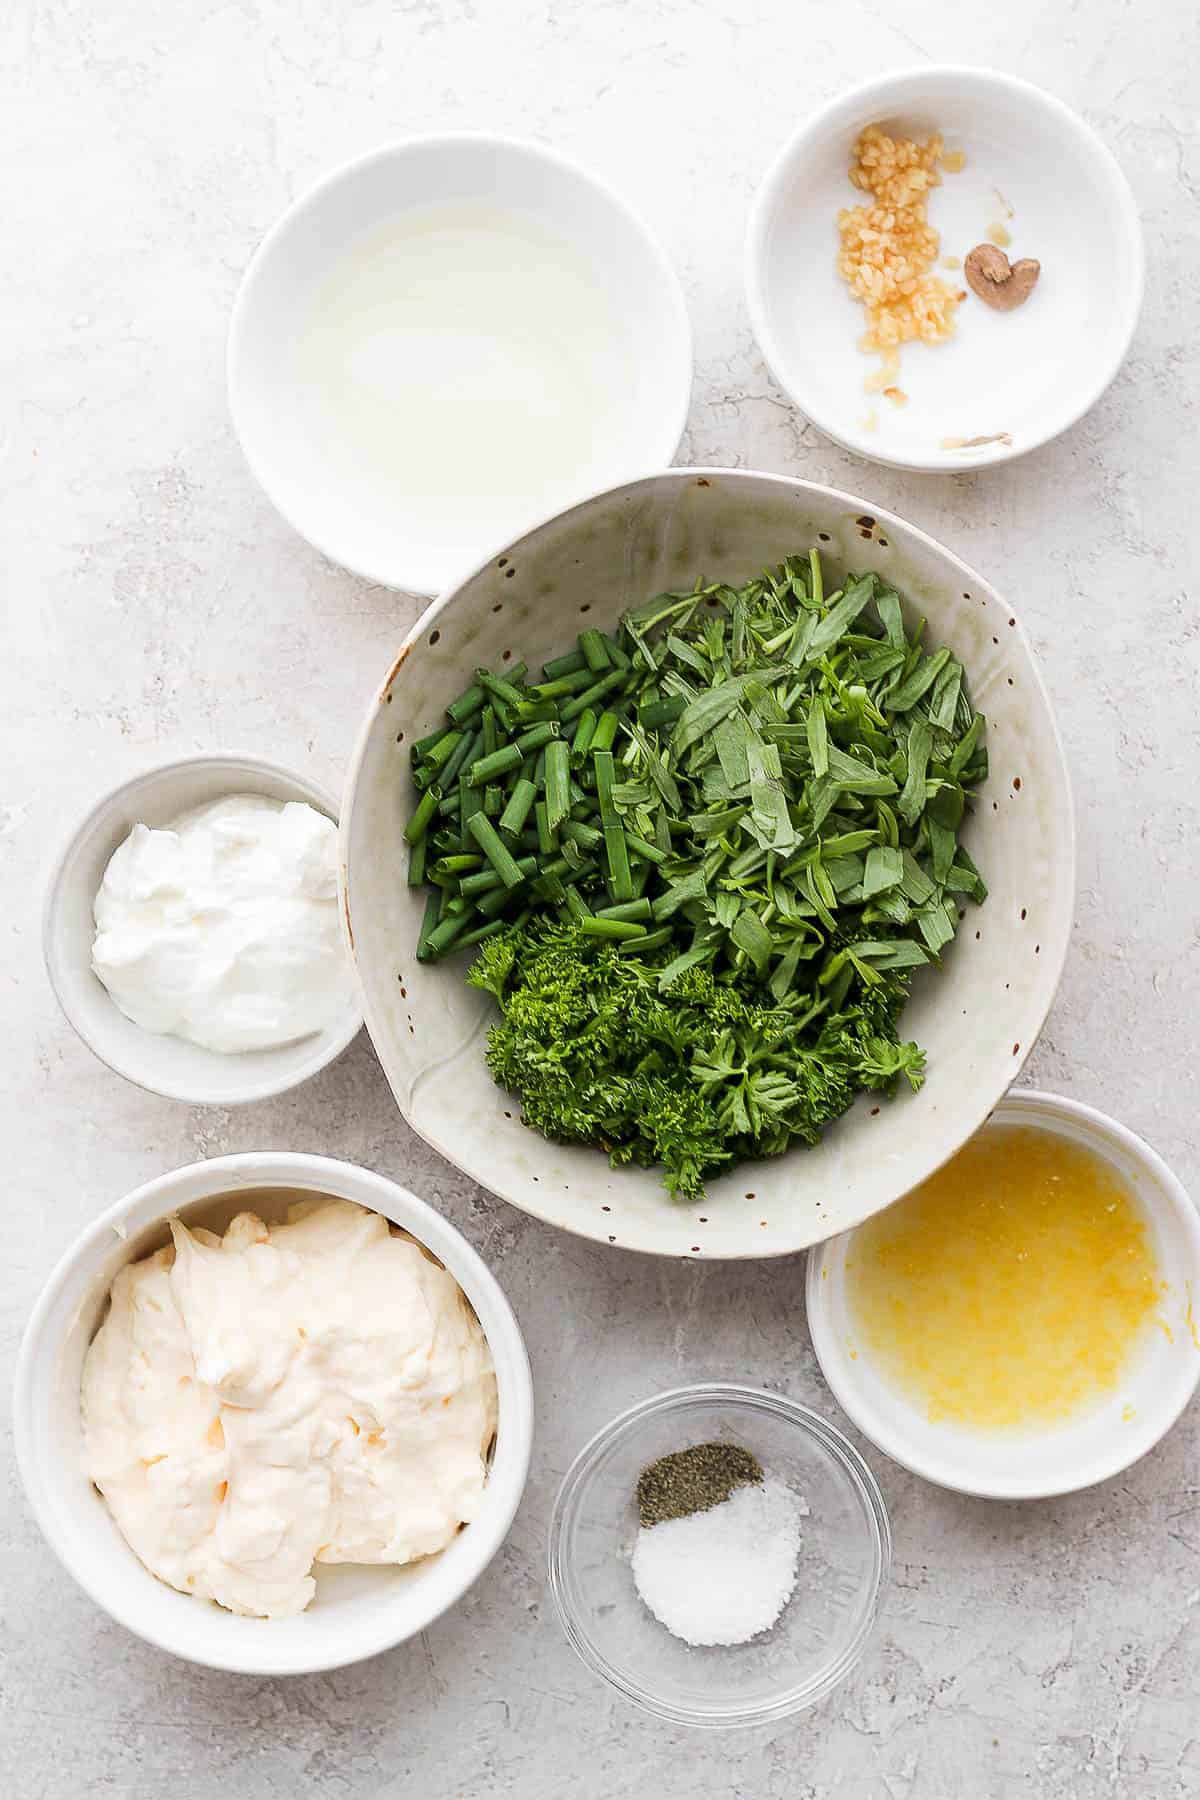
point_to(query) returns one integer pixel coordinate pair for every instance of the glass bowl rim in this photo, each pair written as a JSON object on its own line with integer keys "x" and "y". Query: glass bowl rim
{"x": 809, "y": 1423}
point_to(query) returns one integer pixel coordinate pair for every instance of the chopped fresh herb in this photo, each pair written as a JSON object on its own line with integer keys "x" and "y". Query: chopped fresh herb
{"x": 726, "y": 834}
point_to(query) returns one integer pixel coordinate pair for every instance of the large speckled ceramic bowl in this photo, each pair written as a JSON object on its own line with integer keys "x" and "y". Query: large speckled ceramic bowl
{"x": 977, "y": 1018}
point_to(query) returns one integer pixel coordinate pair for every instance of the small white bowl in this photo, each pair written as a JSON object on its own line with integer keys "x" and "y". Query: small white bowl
{"x": 162, "y": 1064}
{"x": 1017, "y": 379}
{"x": 403, "y": 540}
{"x": 358, "y": 1610}
{"x": 1096, "y": 1444}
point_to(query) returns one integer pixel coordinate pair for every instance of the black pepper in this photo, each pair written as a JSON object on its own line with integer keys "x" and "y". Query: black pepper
{"x": 693, "y": 1480}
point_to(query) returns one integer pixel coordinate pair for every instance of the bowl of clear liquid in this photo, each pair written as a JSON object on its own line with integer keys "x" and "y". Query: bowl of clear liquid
{"x": 447, "y": 341}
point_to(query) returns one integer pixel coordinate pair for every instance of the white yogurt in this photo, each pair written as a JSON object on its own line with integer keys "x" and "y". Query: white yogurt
{"x": 223, "y": 927}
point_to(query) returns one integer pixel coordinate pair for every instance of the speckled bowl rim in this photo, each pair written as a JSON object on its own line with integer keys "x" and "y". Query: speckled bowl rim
{"x": 734, "y": 1395}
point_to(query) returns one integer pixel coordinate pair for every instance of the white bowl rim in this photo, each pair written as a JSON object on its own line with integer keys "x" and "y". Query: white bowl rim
{"x": 883, "y": 86}
{"x": 277, "y": 1168}
{"x": 878, "y": 1430}
{"x": 433, "y": 612}
{"x": 806, "y": 1419}
{"x": 673, "y": 424}
{"x": 243, "y": 1094}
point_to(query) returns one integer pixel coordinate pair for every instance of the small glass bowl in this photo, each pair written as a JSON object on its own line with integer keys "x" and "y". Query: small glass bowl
{"x": 845, "y": 1556}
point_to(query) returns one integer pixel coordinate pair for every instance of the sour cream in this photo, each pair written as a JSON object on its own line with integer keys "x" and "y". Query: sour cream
{"x": 311, "y": 1392}
{"x": 223, "y": 927}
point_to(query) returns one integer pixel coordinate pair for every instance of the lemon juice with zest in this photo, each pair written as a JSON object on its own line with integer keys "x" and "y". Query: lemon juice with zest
{"x": 1012, "y": 1288}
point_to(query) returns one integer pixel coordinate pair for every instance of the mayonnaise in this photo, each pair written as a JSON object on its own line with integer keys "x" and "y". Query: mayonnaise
{"x": 315, "y": 1391}
{"x": 223, "y": 927}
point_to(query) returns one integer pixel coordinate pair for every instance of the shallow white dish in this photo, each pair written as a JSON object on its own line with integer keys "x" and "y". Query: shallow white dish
{"x": 1017, "y": 378}
{"x": 1099, "y": 1443}
{"x": 357, "y": 1611}
{"x": 977, "y": 1019}
{"x": 398, "y": 539}
{"x": 169, "y": 1065}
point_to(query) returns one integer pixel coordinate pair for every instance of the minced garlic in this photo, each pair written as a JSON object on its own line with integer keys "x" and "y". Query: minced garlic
{"x": 888, "y": 248}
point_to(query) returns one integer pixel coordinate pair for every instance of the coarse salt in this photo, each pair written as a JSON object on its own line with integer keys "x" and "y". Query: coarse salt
{"x": 723, "y": 1575}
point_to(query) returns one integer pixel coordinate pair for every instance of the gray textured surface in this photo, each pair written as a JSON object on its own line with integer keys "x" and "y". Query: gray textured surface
{"x": 156, "y": 606}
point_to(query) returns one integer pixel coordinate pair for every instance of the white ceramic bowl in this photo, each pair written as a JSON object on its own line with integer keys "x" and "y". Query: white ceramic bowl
{"x": 1018, "y": 1465}
{"x": 977, "y": 1018}
{"x": 162, "y": 1064}
{"x": 1017, "y": 379}
{"x": 357, "y": 1611}
{"x": 404, "y": 540}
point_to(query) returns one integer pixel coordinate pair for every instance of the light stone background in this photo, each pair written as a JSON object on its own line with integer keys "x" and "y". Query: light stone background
{"x": 156, "y": 606}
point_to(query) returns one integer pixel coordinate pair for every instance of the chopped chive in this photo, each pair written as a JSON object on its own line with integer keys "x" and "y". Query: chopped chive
{"x": 444, "y": 748}
{"x": 547, "y": 839}
{"x": 443, "y": 936}
{"x": 653, "y": 940}
{"x": 485, "y": 835}
{"x": 498, "y": 762}
{"x": 463, "y": 864}
{"x": 498, "y": 688}
{"x": 661, "y": 712}
{"x": 606, "y": 685}
{"x": 481, "y": 933}
{"x": 471, "y": 799}
{"x": 562, "y": 665}
{"x": 611, "y": 928}
{"x": 466, "y": 706}
{"x": 418, "y": 825}
{"x": 558, "y": 782}
{"x": 628, "y": 909}
{"x": 649, "y": 853}
{"x": 586, "y": 836}
{"x": 577, "y": 906}
{"x": 581, "y": 742}
{"x": 465, "y": 752}
{"x": 538, "y": 736}
{"x": 416, "y": 864}
{"x": 602, "y": 762}
{"x": 617, "y": 654}
{"x": 620, "y": 881}
{"x": 562, "y": 685}
{"x": 484, "y": 880}
{"x": 425, "y": 745}
{"x": 595, "y": 650}
{"x": 433, "y": 912}
{"x": 495, "y": 902}
{"x": 605, "y": 734}
{"x": 536, "y": 712}
{"x": 513, "y": 818}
